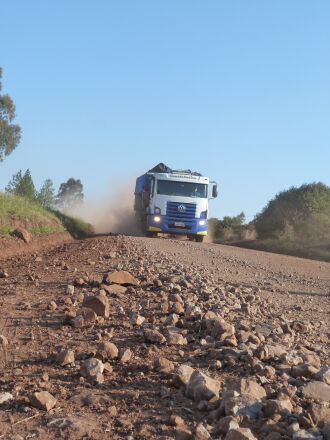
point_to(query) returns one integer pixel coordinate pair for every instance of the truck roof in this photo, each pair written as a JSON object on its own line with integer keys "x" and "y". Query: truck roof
{"x": 162, "y": 171}
{"x": 162, "y": 168}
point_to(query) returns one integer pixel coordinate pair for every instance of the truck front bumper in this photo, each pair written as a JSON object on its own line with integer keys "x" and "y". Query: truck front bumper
{"x": 184, "y": 226}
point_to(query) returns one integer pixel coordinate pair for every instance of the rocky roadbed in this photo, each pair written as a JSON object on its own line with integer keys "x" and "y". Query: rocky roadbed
{"x": 131, "y": 338}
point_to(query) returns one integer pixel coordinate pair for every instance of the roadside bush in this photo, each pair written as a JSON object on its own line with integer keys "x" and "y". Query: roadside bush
{"x": 298, "y": 214}
{"x": 229, "y": 228}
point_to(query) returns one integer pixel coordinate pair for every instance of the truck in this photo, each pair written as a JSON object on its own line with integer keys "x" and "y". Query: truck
{"x": 173, "y": 202}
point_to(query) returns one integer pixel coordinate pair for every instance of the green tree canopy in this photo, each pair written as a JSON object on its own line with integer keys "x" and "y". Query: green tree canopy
{"x": 46, "y": 195}
{"x": 299, "y": 213}
{"x": 70, "y": 194}
{"x": 10, "y": 134}
{"x": 22, "y": 185}
{"x": 227, "y": 226}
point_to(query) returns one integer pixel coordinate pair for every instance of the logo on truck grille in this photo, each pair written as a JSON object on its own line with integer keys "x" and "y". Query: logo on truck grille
{"x": 181, "y": 208}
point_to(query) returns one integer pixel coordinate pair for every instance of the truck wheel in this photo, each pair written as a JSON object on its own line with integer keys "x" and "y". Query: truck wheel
{"x": 199, "y": 238}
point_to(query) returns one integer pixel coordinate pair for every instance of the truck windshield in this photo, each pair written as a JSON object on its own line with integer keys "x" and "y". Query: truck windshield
{"x": 183, "y": 189}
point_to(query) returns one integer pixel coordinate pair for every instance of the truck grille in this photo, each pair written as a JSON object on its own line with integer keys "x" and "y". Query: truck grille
{"x": 181, "y": 212}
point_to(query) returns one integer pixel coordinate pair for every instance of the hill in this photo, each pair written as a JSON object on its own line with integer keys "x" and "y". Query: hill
{"x": 18, "y": 212}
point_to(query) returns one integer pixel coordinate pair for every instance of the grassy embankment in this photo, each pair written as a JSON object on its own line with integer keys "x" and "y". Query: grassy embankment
{"x": 20, "y": 212}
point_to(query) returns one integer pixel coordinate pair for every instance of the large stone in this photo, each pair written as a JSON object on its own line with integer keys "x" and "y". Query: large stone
{"x": 99, "y": 304}
{"x": 312, "y": 359}
{"x": 121, "y": 277}
{"x": 175, "y": 338}
{"x": 317, "y": 390}
{"x": 86, "y": 317}
{"x": 202, "y": 387}
{"x": 182, "y": 375}
{"x": 240, "y": 434}
{"x": 177, "y": 308}
{"x": 3, "y": 341}
{"x": 137, "y": 319}
{"x": 304, "y": 370}
{"x": 324, "y": 375}
{"x": 75, "y": 427}
{"x": 225, "y": 424}
{"x": 92, "y": 369}
{"x": 5, "y": 397}
{"x": 163, "y": 365}
{"x": 303, "y": 434}
{"x": 249, "y": 388}
{"x": 65, "y": 357}
{"x": 125, "y": 356}
{"x": 114, "y": 289}
{"x": 273, "y": 407}
{"x": 23, "y": 234}
{"x": 269, "y": 351}
{"x": 320, "y": 413}
{"x": 241, "y": 406}
{"x": 107, "y": 350}
{"x": 43, "y": 400}
{"x": 201, "y": 433}
{"x": 218, "y": 327}
{"x": 154, "y": 336}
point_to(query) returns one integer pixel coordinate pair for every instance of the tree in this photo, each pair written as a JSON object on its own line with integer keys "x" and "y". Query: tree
{"x": 22, "y": 185}
{"x": 46, "y": 195}
{"x": 14, "y": 183}
{"x": 10, "y": 134}
{"x": 229, "y": 228}
{"x": 298, "y": 214}
{"x": 70, "y": 194}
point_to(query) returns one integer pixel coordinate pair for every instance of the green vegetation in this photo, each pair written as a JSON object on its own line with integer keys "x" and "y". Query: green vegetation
{"x": 20, "y": 211}
{"x": 298, "y": 214}
{"x": 77, "y": 227}
{"x": 16, "y": 211}
{"x": 228, "y": 229}
{"x": 46, "y": 195}
{"x": 296, "y": 222}
{"x": 22, "y": 185}
{"x": 70, "y": 194}
{"x": 10, "y": 134}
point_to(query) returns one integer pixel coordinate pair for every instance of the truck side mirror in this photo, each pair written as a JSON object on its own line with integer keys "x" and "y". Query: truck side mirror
{"x": 215, "y": 191}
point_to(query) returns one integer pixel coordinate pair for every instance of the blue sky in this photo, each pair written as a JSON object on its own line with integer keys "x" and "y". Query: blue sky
{"x": 238, "y": 90}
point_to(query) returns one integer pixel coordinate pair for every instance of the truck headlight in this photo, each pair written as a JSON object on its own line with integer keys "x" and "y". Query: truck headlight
{"x": 157, "y": 210}
{"x": 202, "y": 222}
{"x": 157, "y": 219}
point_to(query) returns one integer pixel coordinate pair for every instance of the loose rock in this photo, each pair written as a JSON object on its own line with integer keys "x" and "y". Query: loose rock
{"x": 43, "y": 400}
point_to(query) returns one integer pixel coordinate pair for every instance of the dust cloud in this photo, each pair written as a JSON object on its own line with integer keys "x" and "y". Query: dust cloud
{"x": 110, "y": 213}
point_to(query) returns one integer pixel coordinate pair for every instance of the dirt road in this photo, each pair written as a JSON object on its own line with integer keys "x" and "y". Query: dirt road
{"x": 197, "y": 341}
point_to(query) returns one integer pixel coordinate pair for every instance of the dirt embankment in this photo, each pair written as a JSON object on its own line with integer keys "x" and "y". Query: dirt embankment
{"x": 12, "y": 246}
{"x": 193, "y": 342}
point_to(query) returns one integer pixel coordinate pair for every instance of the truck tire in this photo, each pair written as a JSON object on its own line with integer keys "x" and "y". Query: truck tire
{"x": 199, "y": 238}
